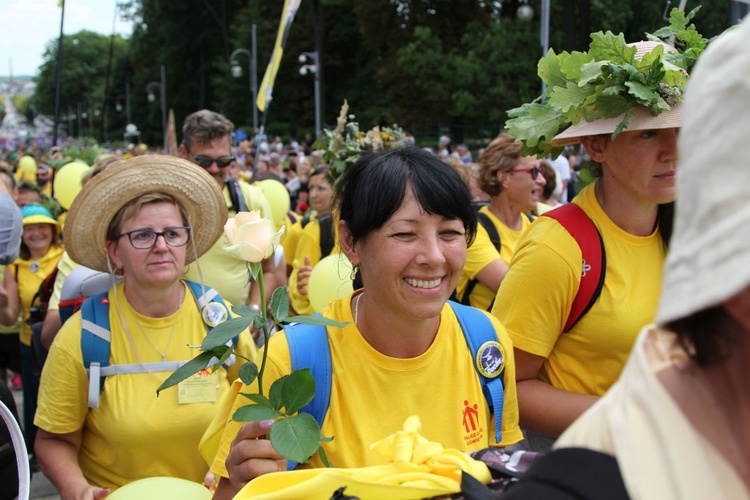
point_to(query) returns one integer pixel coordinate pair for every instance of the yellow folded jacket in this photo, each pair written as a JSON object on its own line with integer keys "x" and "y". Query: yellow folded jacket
{"x": 418, "y": 468}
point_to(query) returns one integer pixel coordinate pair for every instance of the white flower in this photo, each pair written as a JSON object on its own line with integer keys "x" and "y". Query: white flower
{"x": 251, "y": 237}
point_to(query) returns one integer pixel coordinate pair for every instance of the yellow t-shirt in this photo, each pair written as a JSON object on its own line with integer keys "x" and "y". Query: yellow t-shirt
{"x": 482, "y": 252}
{"x": 133, "y": 434}
{"x": 29, "y": 281}
{"x": 291, "y": 239}
{"x": 222, "y": 271}
{"x": 372, "y": 394}
{"x": 308, "y": 246}
{"x": 536, "y": 295}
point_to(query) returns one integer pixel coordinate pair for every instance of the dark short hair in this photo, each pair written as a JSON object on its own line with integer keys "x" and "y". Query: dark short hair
{"x": 373, "y": 188}
{"x": 205, "y": 126}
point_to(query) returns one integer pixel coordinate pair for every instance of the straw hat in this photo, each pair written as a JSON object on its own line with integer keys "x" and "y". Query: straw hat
{"x": 642, "y": 118}
{"x": 105, "y": 194}
{"x": 709, "y": 255}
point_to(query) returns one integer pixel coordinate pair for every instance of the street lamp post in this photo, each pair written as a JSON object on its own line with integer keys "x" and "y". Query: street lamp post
{"x": 163, "y": 98}
{"x": 253, "y": 76}
{"x": 525, "y": 12}
{"x": 314, "y": 68}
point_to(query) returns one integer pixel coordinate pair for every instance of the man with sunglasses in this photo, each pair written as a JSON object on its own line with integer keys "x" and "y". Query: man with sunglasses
{"x": 206, "y": 141}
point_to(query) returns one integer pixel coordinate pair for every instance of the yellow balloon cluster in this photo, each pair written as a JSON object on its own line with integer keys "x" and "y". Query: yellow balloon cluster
{"x": 418, "y": 468}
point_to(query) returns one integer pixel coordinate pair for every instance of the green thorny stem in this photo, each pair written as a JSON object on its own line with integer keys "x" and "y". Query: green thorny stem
{"x": 266, "y": 333}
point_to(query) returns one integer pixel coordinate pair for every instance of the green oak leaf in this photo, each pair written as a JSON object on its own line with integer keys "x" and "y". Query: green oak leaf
{"x": 610, "y": 47}
{"x": 643, "y": 93}
{"x": 549, "y": 70}
{"x": 571, "y": 64}
{"x": 591, "y": 71}
{"x": 571, "y": 96}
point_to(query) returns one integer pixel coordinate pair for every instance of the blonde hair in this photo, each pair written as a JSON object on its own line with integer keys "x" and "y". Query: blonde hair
{"x": 503, "y": 153}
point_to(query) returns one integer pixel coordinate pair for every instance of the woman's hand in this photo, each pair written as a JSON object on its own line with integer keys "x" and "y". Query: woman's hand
{"x": 251, "y": 455}
{"x": 90, "y": 493}
{"x": 303, "y": 276}
{"x": 58, "y": 456}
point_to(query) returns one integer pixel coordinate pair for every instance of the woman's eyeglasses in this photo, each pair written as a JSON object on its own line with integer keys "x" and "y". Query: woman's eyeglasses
{"x": 207, "y": 161}
{"x": 535, "y": 171}
{"x": 145, "y": 239}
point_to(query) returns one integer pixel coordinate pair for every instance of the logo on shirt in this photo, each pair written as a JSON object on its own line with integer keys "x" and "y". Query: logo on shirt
{"x": 473, "y": 431}
{"x": 586, "y": 267}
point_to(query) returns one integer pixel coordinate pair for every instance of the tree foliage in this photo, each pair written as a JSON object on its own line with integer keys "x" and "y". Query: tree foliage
{"x": 423, "y": 65}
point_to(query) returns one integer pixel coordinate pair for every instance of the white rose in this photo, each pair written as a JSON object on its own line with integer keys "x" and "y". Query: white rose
{"x": 251, "y": 237}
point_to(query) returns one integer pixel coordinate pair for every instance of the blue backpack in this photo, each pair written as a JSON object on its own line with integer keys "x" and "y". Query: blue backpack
{"x": 96, "y": 339}
{"x": 309, "y": 348}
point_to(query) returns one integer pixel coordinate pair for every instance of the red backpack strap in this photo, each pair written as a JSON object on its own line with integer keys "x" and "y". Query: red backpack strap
{"x": 582, "y": 229}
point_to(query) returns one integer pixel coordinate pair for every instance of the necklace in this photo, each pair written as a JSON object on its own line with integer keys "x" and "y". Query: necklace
{"x": 163, "y": 354}
{"x": 356, "y": 309}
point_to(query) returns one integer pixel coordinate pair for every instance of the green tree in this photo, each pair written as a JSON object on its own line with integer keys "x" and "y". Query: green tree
{"x": 83, "y": 77}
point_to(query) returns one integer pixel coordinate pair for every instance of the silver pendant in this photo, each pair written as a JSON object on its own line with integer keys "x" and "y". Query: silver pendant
{"x": 34, "y": 267}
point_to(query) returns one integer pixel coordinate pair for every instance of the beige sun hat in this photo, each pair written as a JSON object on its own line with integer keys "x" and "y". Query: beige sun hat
{"x": 105, "y": 194}
{"x": 642, "y": 118}
{"x": 709, "y": 256}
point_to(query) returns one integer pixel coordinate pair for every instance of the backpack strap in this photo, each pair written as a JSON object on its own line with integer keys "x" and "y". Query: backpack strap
{"x": 594, "y": 260}
{"x": 487, "y": 224}
{"x": 236, "y": 196}
{"x": 488, "y": 356}
{"x": 494, "y": 235}
{"x": 326, "y": 234}
{"x": 309, "y": 348}
{"x": 96, "y": 337}
{"x": 95, "y": 341}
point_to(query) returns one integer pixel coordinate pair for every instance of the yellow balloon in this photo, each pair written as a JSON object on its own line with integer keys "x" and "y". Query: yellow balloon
{"x": 26, "y": 168}
{"x": 67, "y": 183}
{"x": 278, "y": 199}
{"x": 153, "y": 488}
{"x": 330, "y": 279}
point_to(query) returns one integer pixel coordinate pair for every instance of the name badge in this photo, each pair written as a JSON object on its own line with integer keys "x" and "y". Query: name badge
{"x": 198, "y": 389}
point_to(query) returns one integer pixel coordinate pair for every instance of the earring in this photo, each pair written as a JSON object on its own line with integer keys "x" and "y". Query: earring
{"x": 353, "y": 274}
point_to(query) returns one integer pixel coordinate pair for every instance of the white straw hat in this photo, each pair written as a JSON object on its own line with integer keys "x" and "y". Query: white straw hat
{"x": 642, "y": 118}
{"x": 709, "y": 256}
{"x": 106, "y": 193}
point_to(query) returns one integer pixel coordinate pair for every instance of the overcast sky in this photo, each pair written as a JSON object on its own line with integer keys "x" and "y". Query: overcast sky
{"x": 28, "y": 25}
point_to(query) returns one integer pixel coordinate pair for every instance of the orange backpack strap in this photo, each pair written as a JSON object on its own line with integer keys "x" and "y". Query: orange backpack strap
{"x": 594, "y": 264}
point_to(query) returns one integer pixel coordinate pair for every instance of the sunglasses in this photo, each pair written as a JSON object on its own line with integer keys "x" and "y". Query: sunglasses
{"x": 535, "y": 171}
{"x": 207, "y": 161}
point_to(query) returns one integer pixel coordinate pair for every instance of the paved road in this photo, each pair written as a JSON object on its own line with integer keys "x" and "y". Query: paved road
{"x": 41, "y": 488}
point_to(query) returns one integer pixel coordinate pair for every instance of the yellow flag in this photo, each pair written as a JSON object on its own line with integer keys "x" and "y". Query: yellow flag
{"x": 266, "y": 86}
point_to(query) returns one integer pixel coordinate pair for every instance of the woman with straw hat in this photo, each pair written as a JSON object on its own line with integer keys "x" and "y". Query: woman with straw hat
{"x": 142, "y": 219}
{"x": 38, "y": 256}
{"x": 564, "y": 368}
